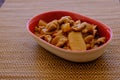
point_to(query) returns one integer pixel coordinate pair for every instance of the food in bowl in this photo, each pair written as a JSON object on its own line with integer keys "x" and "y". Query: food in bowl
{"x": 69, "y": 34}
{"x": 71, "y": 55}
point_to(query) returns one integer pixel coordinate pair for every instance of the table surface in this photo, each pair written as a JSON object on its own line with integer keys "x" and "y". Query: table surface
{"x": 22, "y": 58}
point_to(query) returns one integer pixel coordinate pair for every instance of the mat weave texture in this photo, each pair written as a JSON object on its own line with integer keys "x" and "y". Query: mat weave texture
{"x": 21, "y": 58}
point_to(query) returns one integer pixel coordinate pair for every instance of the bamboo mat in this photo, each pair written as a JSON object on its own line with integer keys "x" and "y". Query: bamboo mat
{"x": 21, "y": 58}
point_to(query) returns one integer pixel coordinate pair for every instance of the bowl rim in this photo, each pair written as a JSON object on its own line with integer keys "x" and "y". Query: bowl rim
{"x": 71, "y": 51}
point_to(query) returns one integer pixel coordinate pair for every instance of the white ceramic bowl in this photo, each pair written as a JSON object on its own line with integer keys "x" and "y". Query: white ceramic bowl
{"x": 75, "y": 56}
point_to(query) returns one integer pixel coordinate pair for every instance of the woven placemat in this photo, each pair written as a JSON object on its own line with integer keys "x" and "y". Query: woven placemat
{"x": 21, "y": 58}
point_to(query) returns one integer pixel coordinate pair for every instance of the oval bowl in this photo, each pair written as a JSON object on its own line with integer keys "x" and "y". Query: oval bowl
{"x": 75, "y": 56}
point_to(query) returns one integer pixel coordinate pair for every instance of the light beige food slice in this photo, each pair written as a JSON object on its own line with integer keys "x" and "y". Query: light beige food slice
{"x": 42, "y": 23}
{"x": 76, "y": 41}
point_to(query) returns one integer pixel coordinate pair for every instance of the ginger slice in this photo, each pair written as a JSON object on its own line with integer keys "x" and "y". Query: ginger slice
{"x": 76, "y": 41}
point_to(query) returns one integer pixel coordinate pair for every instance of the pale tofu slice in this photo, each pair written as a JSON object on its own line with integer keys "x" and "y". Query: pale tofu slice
{"x": 76, "y": 41}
